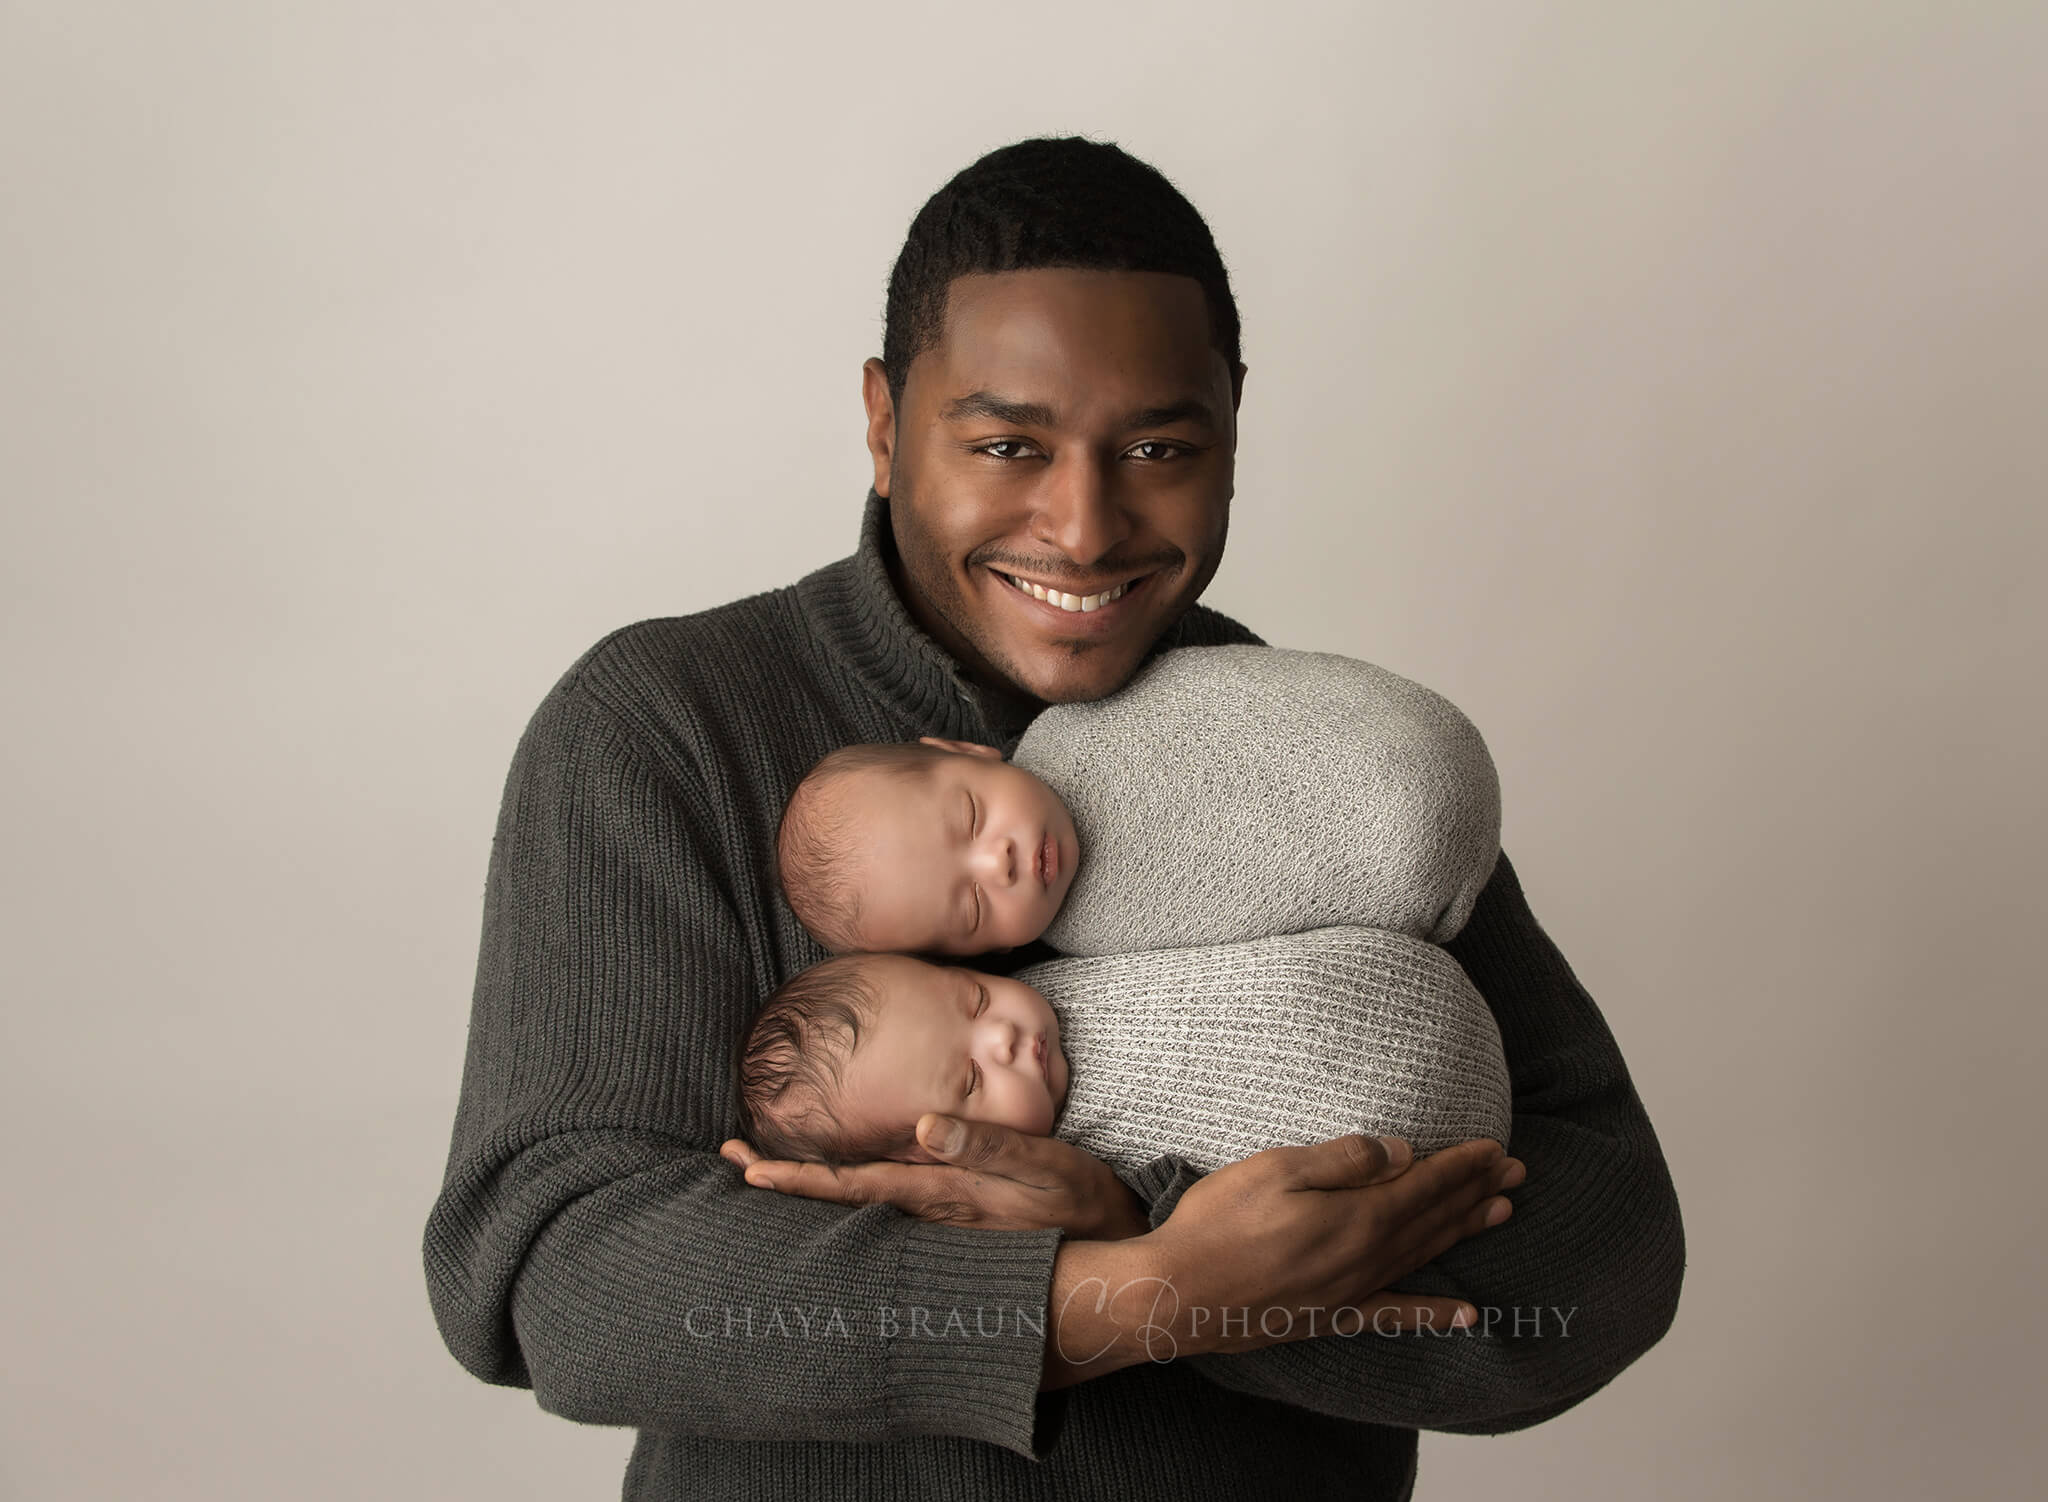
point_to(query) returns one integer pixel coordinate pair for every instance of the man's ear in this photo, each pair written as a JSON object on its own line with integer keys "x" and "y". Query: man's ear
{"x": 965, "y": 748}
{"x": 874, "y": 395}
{"x": 1236, "y": 401}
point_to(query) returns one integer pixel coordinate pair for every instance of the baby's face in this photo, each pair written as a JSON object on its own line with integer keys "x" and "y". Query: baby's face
{"x": 978, "y": 1047}
{"x": 970, "y": 855}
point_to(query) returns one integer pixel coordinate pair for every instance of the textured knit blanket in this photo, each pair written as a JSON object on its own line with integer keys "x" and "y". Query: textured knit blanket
{"x": 1273, "y": 843}
{"x": 1214, "y": 1054}
{"x": 1232, "y": 793}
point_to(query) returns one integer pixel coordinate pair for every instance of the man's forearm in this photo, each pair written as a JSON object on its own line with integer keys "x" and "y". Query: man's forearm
{"x": 629, "y": 1283}
{"x": 1099, "y": 1313}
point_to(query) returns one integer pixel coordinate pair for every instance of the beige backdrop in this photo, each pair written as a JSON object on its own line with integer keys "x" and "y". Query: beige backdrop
{"x": 1663, "y": 383}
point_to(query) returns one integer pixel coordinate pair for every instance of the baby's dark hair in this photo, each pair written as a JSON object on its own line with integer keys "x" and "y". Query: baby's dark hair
{"x": 814, "y": 843}
{"x": 792, "y": 1064}
{"x": 1050, "y": 201}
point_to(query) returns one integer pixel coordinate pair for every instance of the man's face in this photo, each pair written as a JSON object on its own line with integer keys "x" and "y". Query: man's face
{"x": 967, "y": 855}
{"x": 973, "y": 1046}
{"x": 1059, "y": 473}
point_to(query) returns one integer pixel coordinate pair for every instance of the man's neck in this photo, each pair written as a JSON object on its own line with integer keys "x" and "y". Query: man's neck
{"x": 1003, "y": 700}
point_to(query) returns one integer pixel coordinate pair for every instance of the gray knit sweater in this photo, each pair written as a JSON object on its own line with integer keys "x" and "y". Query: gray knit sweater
{"x": 1237, "y": 792}
{"x": 1215, "y": 1053}
{"x": 589, "y": 1243}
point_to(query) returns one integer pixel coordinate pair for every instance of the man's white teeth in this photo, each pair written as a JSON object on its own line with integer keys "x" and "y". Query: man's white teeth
{"x": 1067, "y": 601}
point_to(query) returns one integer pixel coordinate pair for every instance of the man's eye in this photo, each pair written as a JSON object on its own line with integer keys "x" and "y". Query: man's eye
{"x": 1001, "y": 443}
{"x": 1172, "y": 449}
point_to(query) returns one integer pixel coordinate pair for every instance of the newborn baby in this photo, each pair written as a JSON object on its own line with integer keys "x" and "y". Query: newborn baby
{"x": 1208, "y": 1054}
{"x": 1321, "y": 819}
{"x": 1226, "y": 793}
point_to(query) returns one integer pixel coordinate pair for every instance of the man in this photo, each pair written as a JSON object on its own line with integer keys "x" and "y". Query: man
{"x": 1055, "y": 407}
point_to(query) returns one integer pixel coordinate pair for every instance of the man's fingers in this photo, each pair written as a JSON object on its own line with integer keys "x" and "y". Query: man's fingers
{"x": 1455, "y": 1176}
{"x": 1386, "y": 1313}
{"x": 861, "y": 1184}
{"x": 968, "y": 1144}
{"x": 1429, "y": 1209}
{"x": 1348, "y": 1162}
{"x": 916, "y": 1189}
{"x": 1478, "y": 1208}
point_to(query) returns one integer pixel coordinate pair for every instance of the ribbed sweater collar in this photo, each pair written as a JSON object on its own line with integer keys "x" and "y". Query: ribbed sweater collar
{"x": 855, "y": 612}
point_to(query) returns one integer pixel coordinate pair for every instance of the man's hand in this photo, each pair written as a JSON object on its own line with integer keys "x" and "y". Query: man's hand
{"x": 1322, "y": 1228}
{"x": 988, "y": 1176}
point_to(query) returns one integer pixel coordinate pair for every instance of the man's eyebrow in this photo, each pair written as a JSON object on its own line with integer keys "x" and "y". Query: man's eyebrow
{"x": 1041, "y": 415}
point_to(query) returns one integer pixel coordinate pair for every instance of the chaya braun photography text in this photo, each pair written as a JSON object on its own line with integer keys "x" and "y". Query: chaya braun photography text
{"x": 1162, "y": 1327}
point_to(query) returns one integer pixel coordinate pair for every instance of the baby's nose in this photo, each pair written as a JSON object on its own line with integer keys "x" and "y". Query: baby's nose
{"x": 999, "y": 861}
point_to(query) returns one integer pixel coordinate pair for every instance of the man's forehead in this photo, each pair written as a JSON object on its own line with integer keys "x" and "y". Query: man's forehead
{"x": 1127, "y": 341}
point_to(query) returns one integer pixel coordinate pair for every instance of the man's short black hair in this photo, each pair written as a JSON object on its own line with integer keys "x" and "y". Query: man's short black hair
{"x": 1051, "y": 201}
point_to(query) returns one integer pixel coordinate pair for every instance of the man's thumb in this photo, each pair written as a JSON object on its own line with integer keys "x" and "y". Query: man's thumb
{"x": 1383, "y": 1157}
{"x": 941, "y": 1134}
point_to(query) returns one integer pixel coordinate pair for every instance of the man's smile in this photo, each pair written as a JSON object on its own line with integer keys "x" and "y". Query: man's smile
{"x": 1096, "y": 612}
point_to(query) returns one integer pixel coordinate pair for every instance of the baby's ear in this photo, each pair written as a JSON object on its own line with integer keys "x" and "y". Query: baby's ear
{"x": 965, "y": 748}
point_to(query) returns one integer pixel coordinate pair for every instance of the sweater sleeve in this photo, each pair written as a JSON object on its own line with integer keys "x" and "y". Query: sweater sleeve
{"x": 589, "y": 1243}
{"x": 1578, "y": 1283}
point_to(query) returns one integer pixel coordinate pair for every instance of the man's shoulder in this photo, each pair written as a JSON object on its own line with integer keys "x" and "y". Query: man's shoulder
{"x": 751, "y": 643}
{"x": 720, "y": 640}
{"x": 725, "y": 665}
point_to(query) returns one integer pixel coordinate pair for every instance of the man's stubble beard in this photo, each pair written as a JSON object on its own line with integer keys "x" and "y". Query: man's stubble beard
{"x": 928, "y": 572}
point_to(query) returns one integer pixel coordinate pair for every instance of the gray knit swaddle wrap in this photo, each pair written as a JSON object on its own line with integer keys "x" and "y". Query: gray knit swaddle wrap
{"x": 1214, "y": 1054}
{"x": 1347, "y": 794}
{"x": 1273, "y": 843}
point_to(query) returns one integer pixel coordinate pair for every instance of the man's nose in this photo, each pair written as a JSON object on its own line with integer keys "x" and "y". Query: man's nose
{"x": 1077, "y": 508}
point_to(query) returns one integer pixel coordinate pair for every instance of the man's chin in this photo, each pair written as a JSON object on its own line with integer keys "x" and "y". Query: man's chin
{"x": 1059, "y": 677}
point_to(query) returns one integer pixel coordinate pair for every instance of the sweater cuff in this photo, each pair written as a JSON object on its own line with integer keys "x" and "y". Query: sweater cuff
{"x": 964, "y": 1340}
{"x": 1160, "y": 1184}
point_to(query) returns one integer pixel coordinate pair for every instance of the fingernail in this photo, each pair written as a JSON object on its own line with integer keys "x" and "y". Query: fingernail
{"x": 1398, "y": 1150}
{"x": 944, "y": 1136}
{"x": 759, "y": 1179}
{"x": 1497, "y": 1212}
{"x": 1465, "y": 1317}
